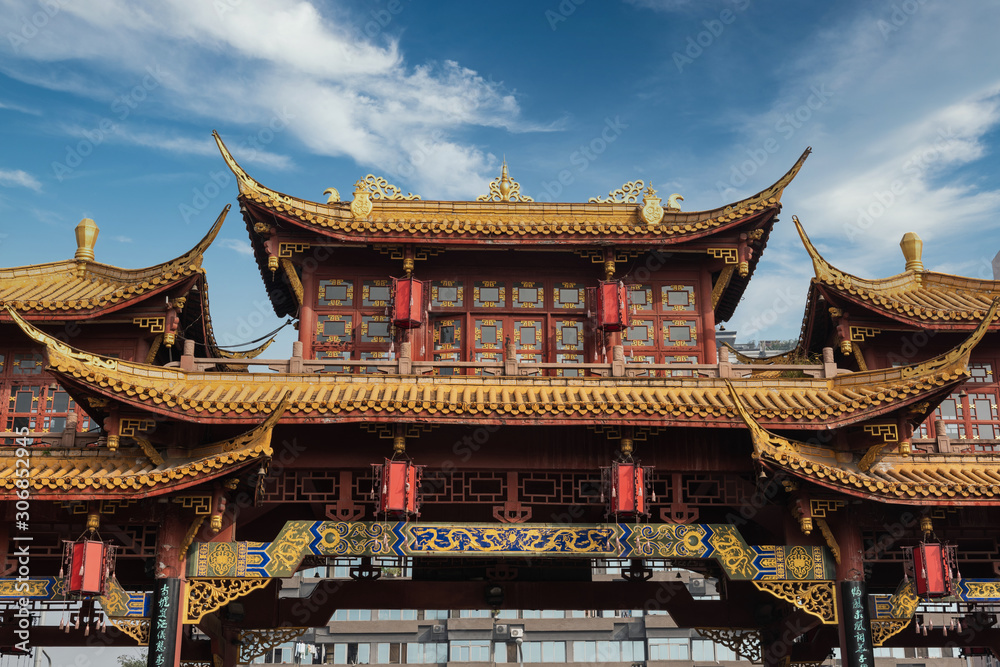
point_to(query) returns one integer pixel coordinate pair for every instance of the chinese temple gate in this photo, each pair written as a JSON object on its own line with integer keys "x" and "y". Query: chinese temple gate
{"x": 500, "y": 392}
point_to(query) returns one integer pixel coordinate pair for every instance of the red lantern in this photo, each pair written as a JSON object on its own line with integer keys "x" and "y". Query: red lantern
{"x": 627, "y": 489}
{"x": 932, "y": 565}
{"x": 398, "y": 483}
{"x": 407, "y": 302}
{"x": 612, "y": 306}
{"x": 91, "y": 566}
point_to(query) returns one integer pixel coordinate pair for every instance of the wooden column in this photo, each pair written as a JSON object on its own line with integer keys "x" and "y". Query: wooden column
{"x": 307, "y": 314}
{"x": 855, "y": 626}
{"x": 166, "y": 621}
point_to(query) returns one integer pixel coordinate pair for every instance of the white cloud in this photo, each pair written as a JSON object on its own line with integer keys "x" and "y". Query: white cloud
{"x": 17, "y": 107}
{"x": 896, "y": 143}
{"x": 240, "y": 246}
{"x": 122, "y": 239}
{"x": 19, "y": 178}
{"x": 339, "y": 79}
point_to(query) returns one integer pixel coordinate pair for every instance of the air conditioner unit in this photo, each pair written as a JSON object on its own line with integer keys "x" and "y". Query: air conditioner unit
{"x": 697, "y": 586}
{"x": 438, "y": 629}
{"x": 500, "y": 629}
{"x": 517, "y": 632}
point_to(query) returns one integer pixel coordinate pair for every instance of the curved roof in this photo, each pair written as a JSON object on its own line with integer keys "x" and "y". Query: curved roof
{"x": 410, "y": 220}
{"x": 135, "y": 472}
{"x": 944, "y": 479}
{"x": 75, "y": 289}
{"x": 923, "y": 298}
{"x": 796, "y": 403}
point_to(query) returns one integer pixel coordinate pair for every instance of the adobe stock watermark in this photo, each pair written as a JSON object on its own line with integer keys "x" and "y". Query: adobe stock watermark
{"x": 583, "y": 157}
{"x": 21, "y": 547}
{"x": 31, "y": 25}
{"x": 562, "y": 12}
{"x": 787, "y": 126}
{"x": 899, "y": 17}
{"x": 884, "y": 199}
{"x": 696, "y": 45}
{"x": 248, "y": 147}
{"x": 122, "y": 107}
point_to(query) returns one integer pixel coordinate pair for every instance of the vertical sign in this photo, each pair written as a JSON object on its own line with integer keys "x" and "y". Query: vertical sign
{"x": 857, "y": 628}
{"x": 163, "y": 631}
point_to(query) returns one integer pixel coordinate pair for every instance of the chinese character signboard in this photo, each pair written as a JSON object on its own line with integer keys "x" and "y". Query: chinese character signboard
{"x": 857, "y": 627}
{"x": 163, "y": 629}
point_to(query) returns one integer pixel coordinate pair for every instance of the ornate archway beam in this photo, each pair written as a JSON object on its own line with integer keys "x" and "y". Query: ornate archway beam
{"x": 720, "y": 542}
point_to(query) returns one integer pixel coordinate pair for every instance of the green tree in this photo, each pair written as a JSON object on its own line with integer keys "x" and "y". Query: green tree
{"x": 132, "y": 660}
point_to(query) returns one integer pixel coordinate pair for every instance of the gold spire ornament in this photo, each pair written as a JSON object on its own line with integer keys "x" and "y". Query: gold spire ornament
{"x": 86, "y": 239}
{"x": 912, "y": 247}
{"x": 504, "y": 188}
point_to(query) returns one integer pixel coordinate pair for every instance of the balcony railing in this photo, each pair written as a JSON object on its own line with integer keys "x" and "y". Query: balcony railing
{"x": 510, "y": 366}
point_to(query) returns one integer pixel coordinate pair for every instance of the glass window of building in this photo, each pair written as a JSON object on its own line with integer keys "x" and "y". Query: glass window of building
{"x": 470, "y": 650}
{"x": 669, "y": 648}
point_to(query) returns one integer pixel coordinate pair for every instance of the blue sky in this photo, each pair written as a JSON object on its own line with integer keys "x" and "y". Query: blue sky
{"x": 107, "y": 108}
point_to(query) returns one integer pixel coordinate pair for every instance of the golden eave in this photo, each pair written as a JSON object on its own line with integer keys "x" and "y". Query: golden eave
{"x": 130, "y": 471}
{"x": 788, "y": 402}
{"x": 500, "y": 221}
{"x": 921, "y": 295}
{"x": 73, "y": 287}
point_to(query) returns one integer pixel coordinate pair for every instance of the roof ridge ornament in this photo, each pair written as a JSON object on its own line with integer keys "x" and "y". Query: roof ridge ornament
{"x": 383, "y": 189}
{"x": 628, "y": 193}
{"x": 651, "y": 211}
{"x": 504, "y": 188}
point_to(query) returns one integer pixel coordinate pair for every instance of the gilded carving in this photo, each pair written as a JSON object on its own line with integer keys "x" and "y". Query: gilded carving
{"x": 154, "y": 324}
{"x": 728, "y": 255}
{"x": 136, "y": 628}
{"x": 255, "y": 643}
{"x": 651, "y": 211}
{"x": 361, "y": 206}
{"x": 382, "y": 189}
{"x": 745, "y": 643}
{"x": 884, "y": 629}
{"x": 504, "y": 189}
{"x": 627, "y": 194}
{"x": 818, "y": 598}
{"x": 207, "y": 595}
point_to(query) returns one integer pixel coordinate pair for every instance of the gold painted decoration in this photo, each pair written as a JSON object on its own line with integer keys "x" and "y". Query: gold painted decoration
{"x": 207, "y": 595}
{"x": 255, "y": 643}
{"x": 882, "y": 630}
{"x": 361, "y": 206}
{"x": 334, "y": 195}
{"x": 745, "y": 643}
{"x": 136, "y": 628}
{"x": 672, "y": 205}
{"x": 818, "y": 598}
{"x": 380, "y": 188}
{"x": 504, "y": 189}
{"x": 831, "y": 541}
{"x": 628, "y": 193}
{"x": 651, "y": 211}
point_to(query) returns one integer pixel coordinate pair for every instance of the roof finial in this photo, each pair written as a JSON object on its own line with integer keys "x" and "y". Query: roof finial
{"x": 86, "y": 239}
{"x": 912, "y": 248}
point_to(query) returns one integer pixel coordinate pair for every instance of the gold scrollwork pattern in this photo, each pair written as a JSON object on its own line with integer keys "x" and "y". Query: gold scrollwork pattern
{"x": 154, "y": 324}
{"x": 200, "y": 504}
{"x": 728, "y": 255}
{"x": 136, "y": 628}
{"x": 818, "y": 598}
{"x": 207, "y": 595}
{"x": 504, "y": 188}
{"x": 255, "y": 643}
{"x": 744, "y": 642}
{"x": 287, "y": 249}
{"x": 859, "y": 334}
{"x": 884, "y": 629}
{"x": 887, "y": 432}
{"x": 383, "y": 189}
{"x": 821, "y": 506}
{"x": 629, "y": 193}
